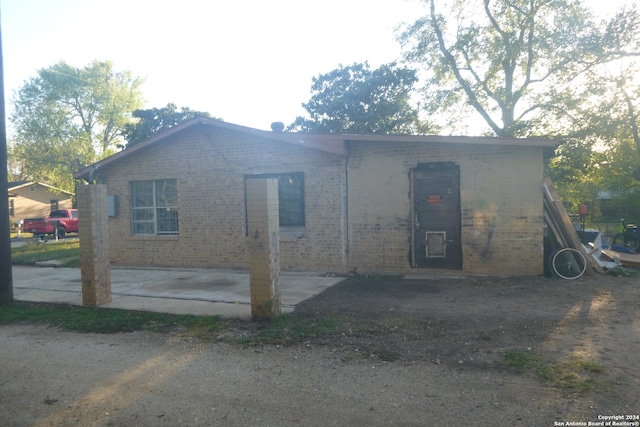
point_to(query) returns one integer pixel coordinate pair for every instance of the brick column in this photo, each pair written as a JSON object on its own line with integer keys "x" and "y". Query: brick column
{"x": 264, "y": 247}
{"x": 94, "y": 244}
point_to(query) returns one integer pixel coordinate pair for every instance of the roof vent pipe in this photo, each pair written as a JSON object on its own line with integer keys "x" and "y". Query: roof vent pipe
{"x": 277, "y": 126}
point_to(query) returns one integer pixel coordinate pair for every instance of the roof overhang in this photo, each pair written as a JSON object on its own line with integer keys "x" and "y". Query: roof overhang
{"x": 332, "y": 143}
{"x": 24, "y": 184}
{"x": 472, "y": 140}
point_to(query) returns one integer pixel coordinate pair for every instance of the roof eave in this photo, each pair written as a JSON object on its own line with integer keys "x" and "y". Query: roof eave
{"x": 439, "y": 139}
{"x": 334, "y": 145}
{"x": 87, "y": 171}
{"x": 28, "y": 183}
{"x": 329, "y": 143}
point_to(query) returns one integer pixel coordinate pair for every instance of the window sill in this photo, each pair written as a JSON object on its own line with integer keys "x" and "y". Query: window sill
{"x": 292, "y": 234}
{"x": 171, "y": 237}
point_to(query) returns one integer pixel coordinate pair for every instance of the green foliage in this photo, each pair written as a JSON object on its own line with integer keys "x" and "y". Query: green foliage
{"x": 602, "y": 176}
{"x": 154, "y": 120}
{"x": 357, "y": 100}
{"x": 519, "y": 64}
{"x": 572, "y": 172}
{"x": 67, "y": 117}
{"x": 15, "y": 172}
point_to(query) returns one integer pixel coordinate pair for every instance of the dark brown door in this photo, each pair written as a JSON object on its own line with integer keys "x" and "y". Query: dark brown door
{"x": 436, "y": 216}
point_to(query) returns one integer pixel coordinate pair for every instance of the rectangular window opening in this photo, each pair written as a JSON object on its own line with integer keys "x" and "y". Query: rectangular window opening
{"x": 154, "y": 207}
{"x": 290, "y": 197}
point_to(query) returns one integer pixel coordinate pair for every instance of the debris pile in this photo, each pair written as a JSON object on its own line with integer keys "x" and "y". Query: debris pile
{"x": 564, "y": 235}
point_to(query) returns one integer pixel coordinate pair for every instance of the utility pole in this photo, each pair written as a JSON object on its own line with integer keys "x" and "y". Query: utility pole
{"x": 6, "y": 276}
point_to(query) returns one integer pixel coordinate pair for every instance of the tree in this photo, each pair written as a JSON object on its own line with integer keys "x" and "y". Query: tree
{"x": 67, "y": 117}
{"x": 357, "y": 100}
{"x": 15, "y": 169}
{"x": 154, "y": 120}
{"x": 601, "y": 152}
{"x": 603, "y": 117}
{"x": 514, "y": 61}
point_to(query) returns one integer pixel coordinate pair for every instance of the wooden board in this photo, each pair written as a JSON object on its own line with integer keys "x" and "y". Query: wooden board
{"x": 560, "y": 224}
{"x": 627, "y": 260}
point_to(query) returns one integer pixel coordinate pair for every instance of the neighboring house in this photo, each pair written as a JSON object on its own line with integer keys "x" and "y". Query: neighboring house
{"x": 384, "y": 203}
{"x": 35, "y": 200}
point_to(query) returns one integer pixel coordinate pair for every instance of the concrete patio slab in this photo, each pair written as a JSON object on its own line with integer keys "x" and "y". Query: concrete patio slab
{"x": 169, "y": 290}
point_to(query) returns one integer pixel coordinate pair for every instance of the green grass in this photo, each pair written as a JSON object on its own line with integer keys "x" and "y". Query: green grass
{"x": 526, "y": 362}
{"x": 24, "y": 235}
{"x": 29, "y": 254}
{"x": 106, "y": 321}
{"x": 288, "y": 329}
{"x": 573, "y": 373}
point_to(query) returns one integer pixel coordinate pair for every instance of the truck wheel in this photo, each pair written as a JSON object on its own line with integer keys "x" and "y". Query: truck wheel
{"x": 61, "y": 232}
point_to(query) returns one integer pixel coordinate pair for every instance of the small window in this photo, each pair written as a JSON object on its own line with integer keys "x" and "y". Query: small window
{"x": 54, "y": 205}
{"x": 12, "y": 208}
{"x": 290, "y": 197}
{"x": 154, "y": 207}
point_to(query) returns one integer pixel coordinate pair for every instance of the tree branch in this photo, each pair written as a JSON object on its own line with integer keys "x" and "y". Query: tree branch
{"x": 633, "y": 119}
{"x": 473, "y": 100}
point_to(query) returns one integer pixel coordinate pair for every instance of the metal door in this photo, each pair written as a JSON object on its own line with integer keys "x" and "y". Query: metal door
{"x": 436, "y": 225}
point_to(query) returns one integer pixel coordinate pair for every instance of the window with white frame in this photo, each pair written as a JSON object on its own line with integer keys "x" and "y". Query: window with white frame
{"x": 154, "y": 207}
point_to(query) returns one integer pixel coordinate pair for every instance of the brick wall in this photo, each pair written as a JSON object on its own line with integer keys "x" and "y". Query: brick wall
{"x": 501, "y": 203}
{"x": 210, "y": 165}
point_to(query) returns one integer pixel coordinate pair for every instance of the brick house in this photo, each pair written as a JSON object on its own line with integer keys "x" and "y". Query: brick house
{"x": 384, "y": 203}
{"x": 35, "y": 200}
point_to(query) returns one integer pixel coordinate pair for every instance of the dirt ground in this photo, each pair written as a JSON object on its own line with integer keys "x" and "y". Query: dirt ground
{"x": 438, "y": 352}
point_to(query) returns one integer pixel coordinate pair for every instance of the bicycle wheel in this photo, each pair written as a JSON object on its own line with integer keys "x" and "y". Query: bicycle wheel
{"x": 568, "y": 263}
{"x": 627, "y": 240}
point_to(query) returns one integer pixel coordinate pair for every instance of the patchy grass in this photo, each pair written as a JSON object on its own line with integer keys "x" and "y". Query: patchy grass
{"x": 526, "y": 362}
{"x": 29, "y": 254}
{"x": 286, "y": 329}
{"x": 105, "y": 321}
{"x": 386, "y": 355}
{"x": 23, "y": 235}
{"x": 289, "y": 329}
{"x": 574, "y": 373}
{"x": 202, "y": 328}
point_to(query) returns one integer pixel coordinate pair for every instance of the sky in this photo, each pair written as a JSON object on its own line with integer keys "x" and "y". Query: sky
{"x": 248, "y": 62}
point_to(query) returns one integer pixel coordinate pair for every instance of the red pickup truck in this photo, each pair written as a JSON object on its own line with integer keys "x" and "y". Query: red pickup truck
{"x": 65, "y": 220}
